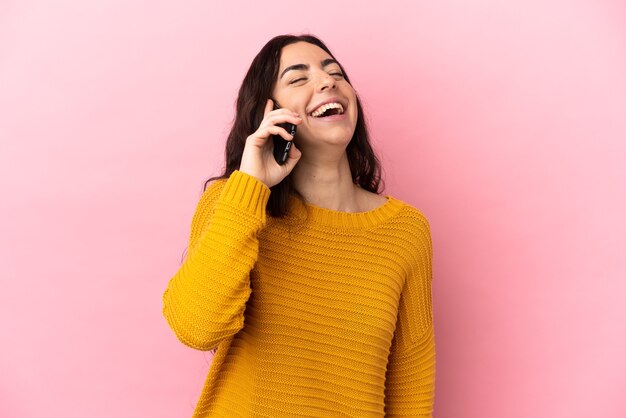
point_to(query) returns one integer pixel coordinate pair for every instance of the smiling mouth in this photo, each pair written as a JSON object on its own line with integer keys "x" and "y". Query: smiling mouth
{"x": 329, "y": 109}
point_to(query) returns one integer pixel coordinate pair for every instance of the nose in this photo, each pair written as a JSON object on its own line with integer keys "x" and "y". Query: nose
{"x": 327, "y": 82}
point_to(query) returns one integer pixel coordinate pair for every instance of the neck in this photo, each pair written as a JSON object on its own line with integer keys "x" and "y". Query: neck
{"x": 326, "y": 183}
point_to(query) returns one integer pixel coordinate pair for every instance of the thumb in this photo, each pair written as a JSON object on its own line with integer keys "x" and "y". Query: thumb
{"x": 292, "y": 158}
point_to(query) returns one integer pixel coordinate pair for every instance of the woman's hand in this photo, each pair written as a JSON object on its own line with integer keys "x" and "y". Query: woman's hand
{"x": 258, "y": 154}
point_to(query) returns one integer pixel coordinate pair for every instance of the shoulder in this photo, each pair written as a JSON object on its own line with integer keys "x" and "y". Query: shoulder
{"x": 416, "y": 236}
{"x": 407, "y": 213}
{"x": 204, "y": 208}
{"x": 370, "y": 201}
{"x": 211, "y": 193}
{"x": 413, "y": 219}
{"x": 413, "y": 212}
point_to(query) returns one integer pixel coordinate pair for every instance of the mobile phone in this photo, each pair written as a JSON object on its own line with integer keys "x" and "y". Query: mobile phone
{"x": 281, "y": 145}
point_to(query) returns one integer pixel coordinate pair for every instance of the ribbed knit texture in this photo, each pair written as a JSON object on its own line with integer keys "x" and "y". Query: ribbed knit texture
{"x": 320, "y": 314}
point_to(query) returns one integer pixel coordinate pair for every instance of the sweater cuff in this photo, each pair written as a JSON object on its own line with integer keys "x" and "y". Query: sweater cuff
{"x": 246, "y": 192}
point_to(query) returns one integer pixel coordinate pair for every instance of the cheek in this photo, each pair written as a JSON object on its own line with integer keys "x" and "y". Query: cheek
{"x": 299, "y": 107}
{"x": 355, "y": 112}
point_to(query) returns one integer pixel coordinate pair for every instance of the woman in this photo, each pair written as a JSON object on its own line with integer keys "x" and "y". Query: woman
{"x": 314, "y": 289}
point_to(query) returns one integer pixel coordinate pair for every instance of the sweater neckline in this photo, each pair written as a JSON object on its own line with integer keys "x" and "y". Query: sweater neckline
{"x": 339, "y": 219}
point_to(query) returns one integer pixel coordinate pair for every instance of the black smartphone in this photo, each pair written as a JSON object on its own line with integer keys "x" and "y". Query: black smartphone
{"x": 281, "y": 145}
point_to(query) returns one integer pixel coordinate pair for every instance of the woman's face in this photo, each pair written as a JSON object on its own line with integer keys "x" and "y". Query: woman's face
{"x": 308, "y": 77}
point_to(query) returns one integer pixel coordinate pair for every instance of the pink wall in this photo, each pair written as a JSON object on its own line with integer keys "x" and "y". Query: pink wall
{"x": 503, "y": 122}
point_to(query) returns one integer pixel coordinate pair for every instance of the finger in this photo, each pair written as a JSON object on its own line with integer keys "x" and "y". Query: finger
{"x": 290, "y": 113}
{"x": 294, "y": 152}
{"x": 281, "y": 118}
{"x": 262, "y": 135}
{"x": 291, "y": 117}
{"x": 277, "y": 130}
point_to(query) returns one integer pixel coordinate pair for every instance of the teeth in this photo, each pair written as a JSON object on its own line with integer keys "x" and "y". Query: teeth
{"x": 320, "y": 110}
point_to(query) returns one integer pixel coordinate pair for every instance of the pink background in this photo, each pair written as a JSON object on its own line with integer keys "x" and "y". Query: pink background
{"x": 504, "y": 122}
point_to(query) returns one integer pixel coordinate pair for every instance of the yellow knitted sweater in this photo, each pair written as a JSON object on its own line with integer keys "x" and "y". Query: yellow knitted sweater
{"x": 319, "y": 314}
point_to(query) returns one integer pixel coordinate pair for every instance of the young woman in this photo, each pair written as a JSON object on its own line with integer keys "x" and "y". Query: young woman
{"x": 314, "y": 289}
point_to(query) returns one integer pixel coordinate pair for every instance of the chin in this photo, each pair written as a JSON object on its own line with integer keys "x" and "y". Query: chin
{"x": 321, "y": 142}
{"x": 338, "y": 138}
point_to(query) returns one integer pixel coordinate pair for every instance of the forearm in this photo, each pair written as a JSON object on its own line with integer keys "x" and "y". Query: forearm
{"x": 205, "y": 301}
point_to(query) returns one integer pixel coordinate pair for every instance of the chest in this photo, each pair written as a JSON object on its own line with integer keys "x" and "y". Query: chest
{"x": 349, "y": 282}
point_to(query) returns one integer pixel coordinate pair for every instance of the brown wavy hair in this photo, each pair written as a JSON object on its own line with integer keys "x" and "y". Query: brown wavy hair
{"x": 256, "y": 88}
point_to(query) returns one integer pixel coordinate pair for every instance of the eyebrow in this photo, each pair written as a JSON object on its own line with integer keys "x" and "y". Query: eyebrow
{"x": 325, "y": 63}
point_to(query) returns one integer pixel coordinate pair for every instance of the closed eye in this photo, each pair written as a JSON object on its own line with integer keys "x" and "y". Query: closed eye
{"x": 304, "y": 78}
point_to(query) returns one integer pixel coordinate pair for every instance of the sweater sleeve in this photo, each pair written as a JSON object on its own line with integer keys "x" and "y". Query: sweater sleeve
{"x": 410, "y": 378}
{"x": 205, "y": 300}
